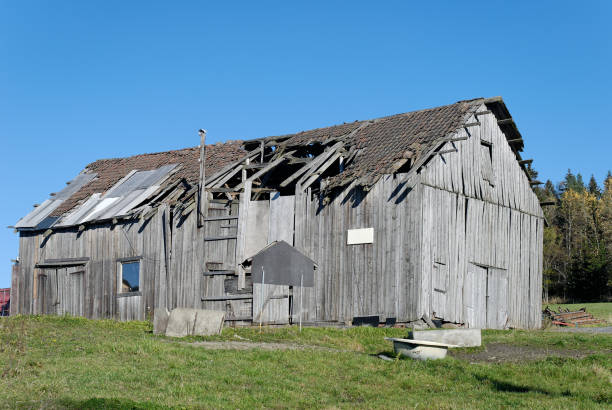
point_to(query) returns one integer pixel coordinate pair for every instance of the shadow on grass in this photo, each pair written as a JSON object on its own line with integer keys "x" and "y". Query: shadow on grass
{"x": 106, "y": 403}
{"x": 389, "y": 353}
{"x": 507, "y": 387}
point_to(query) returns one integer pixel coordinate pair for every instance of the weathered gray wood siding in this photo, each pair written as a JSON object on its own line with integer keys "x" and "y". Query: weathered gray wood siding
{"x": 271, "y": 302}
{"x": 367, "y": 279}
{"x": 469, "y": 222}
{"x": 170, "y": 273}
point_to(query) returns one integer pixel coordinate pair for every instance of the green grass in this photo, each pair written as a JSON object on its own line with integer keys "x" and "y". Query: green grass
{"x": 63, "y": 362}
{"x": 599, "y": 310}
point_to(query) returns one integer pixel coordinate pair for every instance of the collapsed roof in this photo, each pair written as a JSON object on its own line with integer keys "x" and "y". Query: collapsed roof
{"x": 364, "y": 150}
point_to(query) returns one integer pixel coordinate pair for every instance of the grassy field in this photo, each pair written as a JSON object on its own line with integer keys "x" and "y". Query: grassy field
{"x": 63, "y": 362}
{"x": 599, "y": 310}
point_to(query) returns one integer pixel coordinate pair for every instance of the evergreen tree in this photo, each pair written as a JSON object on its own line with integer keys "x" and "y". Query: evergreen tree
{"x": 578, "y": 241}
{"x": 568, "y": 182}
{"x": 549, "y": 189}
{"x": 594, "y": 188}
{"x": 579, "y": 187}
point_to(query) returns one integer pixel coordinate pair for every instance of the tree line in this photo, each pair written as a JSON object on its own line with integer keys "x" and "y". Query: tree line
{"x": 577, "y": 238}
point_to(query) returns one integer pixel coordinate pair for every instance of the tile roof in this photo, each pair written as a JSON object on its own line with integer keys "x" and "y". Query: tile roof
{"x": 380, "y": 143}
{"x": 385, "y": 140}
{"x": 110, "y": 171}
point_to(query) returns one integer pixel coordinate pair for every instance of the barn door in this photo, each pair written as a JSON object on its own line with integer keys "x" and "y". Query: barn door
{"x": 62, "y": 290}
{"x": 474, "y": 296}
{"x": 47, "y": 292}
{"x": 497, "y": 298}
{"x": 74, "y": 298}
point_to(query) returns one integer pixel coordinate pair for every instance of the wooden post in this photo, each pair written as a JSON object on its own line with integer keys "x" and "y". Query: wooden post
{"x": 261, "y": 148}
{"x": 263, "y": 281}
{"x": 241, "y": 232}
{"x": 202, "y": 183}
{"x": 301, "y": 287}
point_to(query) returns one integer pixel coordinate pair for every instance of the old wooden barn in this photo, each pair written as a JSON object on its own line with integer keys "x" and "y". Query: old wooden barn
{"x": 423, "y": 214}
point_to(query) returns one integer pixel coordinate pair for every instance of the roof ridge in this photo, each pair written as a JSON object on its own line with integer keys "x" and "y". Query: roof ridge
{"x": 376, "y": 119}
{"x": 172, "y": 151}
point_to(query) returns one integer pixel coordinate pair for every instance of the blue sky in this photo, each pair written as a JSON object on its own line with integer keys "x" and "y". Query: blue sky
{"x": 86, "y": 80}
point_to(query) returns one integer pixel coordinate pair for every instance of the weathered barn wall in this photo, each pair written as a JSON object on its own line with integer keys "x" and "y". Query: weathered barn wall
{"x": 482, "y": 241}
{"x": 366, "y": 279}
{"x": 171, "y": 282}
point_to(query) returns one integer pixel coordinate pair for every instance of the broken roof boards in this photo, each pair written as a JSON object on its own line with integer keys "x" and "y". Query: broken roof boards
{"x": 130, "y": 191}
{"x": 366, "y": 149}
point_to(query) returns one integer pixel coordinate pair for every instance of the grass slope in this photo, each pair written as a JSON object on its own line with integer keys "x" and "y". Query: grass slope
{"x": 62, "y": 362}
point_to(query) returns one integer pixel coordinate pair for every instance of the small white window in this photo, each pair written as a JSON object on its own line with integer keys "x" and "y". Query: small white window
{"x": 129, "y": 276}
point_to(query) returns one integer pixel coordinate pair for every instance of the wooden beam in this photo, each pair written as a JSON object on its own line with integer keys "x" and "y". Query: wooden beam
{"x": 455, "y": 139}
{"x": 447, "y": 151}
{"x": 219, "y": 272}
{"x": 471, "y": 124}
{"x": 219, "y": 238}
{"x": 299, "y": 160}
{"x": 505, "y": 121}
{"x": 525, "y": 161}
{"x": 222, "y": 190}
{"x": 262, "y": 147}
{"x": 262, "y": 171}
{"x": 227, "y": 177}
{"x": 318, "y": 160}
{"x": 261, "y": 190}
{"x": 256, "y": 165}
{"x": 228, "y": 297}
{"x": 548, "y": 203}
{"x": 535, "y": 182}
{"x": 230, "y": 167}
{"x": 515, "y": 141}
{"x": 48, "y": 263}
{"x": 483, "y": 112}
{"x": 202, "y": 182}
{"x": 243, "y": 209}
{"x": 314, "y": 174}
{"x": 397, "y": 165}
{"x": 221, "y": 218}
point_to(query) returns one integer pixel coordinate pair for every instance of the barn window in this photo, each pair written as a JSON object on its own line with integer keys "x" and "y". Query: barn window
{"x": 129, "y": 276}
{"x": 486, "y": 161}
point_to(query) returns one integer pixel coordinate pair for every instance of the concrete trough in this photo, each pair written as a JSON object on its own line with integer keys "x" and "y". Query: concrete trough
{"x": 419, "y": 349}
{"x": 457, "y": 337}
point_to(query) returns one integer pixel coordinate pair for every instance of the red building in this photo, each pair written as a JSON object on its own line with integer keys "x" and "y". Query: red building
{"x": 5, "y": 298}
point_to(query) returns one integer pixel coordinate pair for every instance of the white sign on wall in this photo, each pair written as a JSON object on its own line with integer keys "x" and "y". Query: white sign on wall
{"x": 359, "y": 236}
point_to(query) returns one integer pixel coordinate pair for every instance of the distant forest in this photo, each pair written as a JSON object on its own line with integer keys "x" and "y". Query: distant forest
{"x": 577, "y": 238}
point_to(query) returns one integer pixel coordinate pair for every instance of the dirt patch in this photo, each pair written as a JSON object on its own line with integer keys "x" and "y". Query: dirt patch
{"x": 603, "y": 329}
{"x": 233, "y": 345}
{"x": 501, "y": 353}
{"x": 230, "y": 345}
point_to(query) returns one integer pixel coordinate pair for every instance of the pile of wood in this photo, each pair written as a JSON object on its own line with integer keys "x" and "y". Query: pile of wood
{"x": 565, "y": 317}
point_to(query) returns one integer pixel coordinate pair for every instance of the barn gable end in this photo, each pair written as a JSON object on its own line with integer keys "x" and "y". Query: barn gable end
{"x": 482, "y": 223}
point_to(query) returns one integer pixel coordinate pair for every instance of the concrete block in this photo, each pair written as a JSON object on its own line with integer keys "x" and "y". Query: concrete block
{"x": 185, "y": 321}
{"x": 457, "y": 337}
{"x": 208, "y": 322}
{"x": 160, "y": 320}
